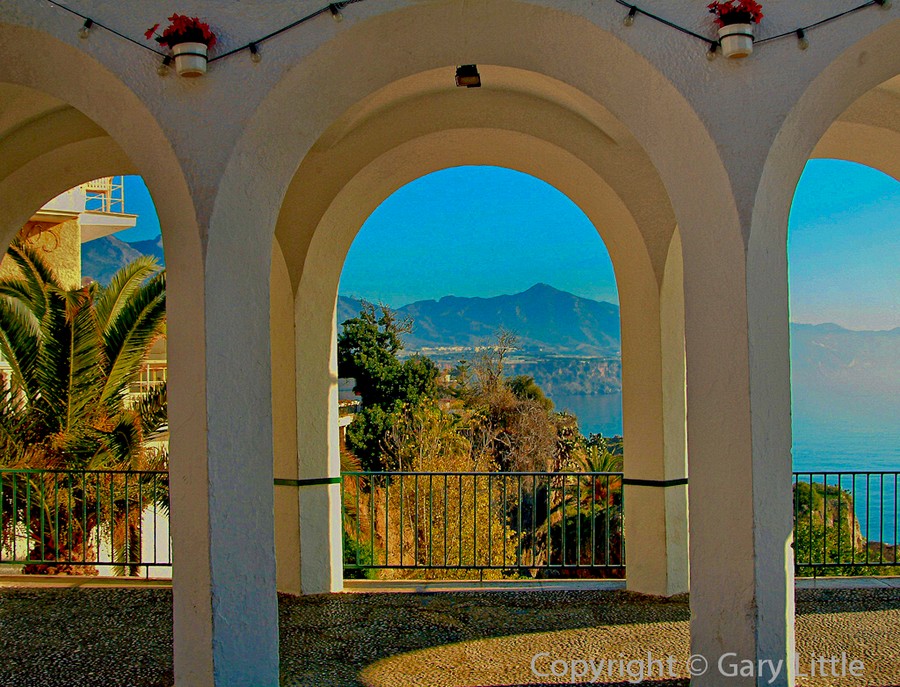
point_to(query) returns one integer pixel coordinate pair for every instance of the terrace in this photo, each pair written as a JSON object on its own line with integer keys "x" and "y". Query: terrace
{"x": 432, "y": 618}
{"x": 123, "y": 637}
{"x": 263, "y": 172}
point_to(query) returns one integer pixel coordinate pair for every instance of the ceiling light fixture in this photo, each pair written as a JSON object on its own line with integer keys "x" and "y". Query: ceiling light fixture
{"x": 467, "y": 76}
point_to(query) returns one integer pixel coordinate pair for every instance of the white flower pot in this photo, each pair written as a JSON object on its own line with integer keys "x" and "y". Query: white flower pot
{"x": 190, "y": 58}
{"x": 736, "y": 40}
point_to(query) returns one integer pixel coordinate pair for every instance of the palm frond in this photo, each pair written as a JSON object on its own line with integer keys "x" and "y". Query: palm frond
{"x": 54, "y": 361}
{"x": 152, "y": 407}
{"x": 17, "y": 289}
{"x": 20, "y": 343}
{"x": 37, "y": 274}
{"x": 85, "y": 375}
{"x": 128, "y": 337}
{"x": 112, "y": 298}
{"x": 121, "y": 446}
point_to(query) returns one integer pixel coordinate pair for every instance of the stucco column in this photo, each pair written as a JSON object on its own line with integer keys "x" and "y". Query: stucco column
{"x": 656, "y": 517}
{"x": 284, "y": 427}
{"x": 225, "y": 605}
{"x": 319, "y": 464}
{"x": 738, "y": 429}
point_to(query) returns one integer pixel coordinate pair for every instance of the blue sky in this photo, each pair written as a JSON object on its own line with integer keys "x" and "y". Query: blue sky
{"x": 476, "y": 231}
{"x": 484, "y": 231}
{"x": 844, "y": 246}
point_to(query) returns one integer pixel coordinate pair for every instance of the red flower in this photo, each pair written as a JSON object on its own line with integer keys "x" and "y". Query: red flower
{"x": 736, "y": 12}
{"x": 184, "y": 29}
{"x": 148, "y": 34}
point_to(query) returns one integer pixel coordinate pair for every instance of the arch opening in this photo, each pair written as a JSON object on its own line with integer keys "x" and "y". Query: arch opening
{"x": 84, "y": 389}
{"x": 65, "y": 119}
{"x": 365, "y": 157}
{"x": 480, "y": 261}
{"x": 845, "y": 339}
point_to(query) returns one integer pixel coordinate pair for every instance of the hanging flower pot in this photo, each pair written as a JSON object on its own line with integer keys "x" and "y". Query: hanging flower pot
{"x": 736, "y": 40}
{"x": 190, "y": 41}
{"x": 190, "y": 58}
{"x": 735, "y": 19}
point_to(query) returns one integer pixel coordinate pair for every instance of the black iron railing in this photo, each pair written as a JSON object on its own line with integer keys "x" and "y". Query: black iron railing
{"x": 65, "y": 521}
{"x": 536, "y": 523}
{"x": 845, "y": 522}
{"x": 572, "y": 523}
{"x": 528, "y": 521}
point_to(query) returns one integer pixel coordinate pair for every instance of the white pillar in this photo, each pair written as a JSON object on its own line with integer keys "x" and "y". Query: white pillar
{"x": 319, "y": 465}
{"x": 656, "y": 518}
{"x": 225, "y": 605}
{"x": 738, "y": 419}
{"x": 284, "y": 427}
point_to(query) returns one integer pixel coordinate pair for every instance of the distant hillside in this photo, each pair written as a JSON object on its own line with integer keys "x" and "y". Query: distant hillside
{"x": 571, "y": 376}
{"x": 571, "y": 345}
{"x": 546, "y": 320}
{"x": 103, "y": 257}
{"x": 347, "y": 307}
{"x": 826, "y": 357}
{"x": 152, "y": 247}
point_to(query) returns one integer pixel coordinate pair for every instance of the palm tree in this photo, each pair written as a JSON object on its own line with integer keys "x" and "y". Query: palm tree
{"x": 73, "y": 356}
{"x": 564, "y": 505}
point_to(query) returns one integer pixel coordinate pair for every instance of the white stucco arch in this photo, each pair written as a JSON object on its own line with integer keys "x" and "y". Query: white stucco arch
{"x": 872, "y": 146}
{"x": 74, "y": 121}
{"x": 811, "y": 121}
{"x": 589, "y": 70}
{"x": 645, "y": 410}
{"x": 351, "y": 82}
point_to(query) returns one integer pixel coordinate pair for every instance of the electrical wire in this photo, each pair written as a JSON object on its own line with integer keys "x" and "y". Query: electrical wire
{"x": 633, "y": 9}
{"x": 302, "y": 20}
{"x": 101, "y": 25}
{"x": 710, "y": 41}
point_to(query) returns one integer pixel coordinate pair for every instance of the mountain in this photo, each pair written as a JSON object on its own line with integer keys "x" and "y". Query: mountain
{"x": 103, "y": 257}
{"x": 546, "y": 321}
{"x": 152, "y": 247}
{"x": 829, "y": 358}
{"x": 348, "y": 307}
{"x": 572, "y": 344}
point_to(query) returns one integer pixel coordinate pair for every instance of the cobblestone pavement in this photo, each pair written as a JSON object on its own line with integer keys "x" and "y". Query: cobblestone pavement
{"x": 122, "y": 637}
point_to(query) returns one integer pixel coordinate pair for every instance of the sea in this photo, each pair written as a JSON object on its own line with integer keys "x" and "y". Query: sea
{"x": 832, "y": 434}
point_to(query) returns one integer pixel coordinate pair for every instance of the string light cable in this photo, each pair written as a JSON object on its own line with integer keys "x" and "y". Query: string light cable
{"x": 800, "y": 33}
{"x": 253, "y": 47}
{"x": 90, "y": 24}
{"x": 335, "y": 10}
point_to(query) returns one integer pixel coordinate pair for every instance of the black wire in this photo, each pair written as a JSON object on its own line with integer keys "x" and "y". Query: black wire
{"x": 758, "y": 41}
{"x": 337, "y": 5}
{"x": 669, "y": 23}
{"x": 344, "y": 3}
{"x": 302, "y": 20}
{"x": 54, "y": 3}
{"x": 818, "y": 23}
{"x": 257, "y": 42}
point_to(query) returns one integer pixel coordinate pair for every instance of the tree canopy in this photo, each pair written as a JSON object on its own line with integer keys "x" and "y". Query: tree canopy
{"x": 368, "y": 351}
{"x": 68, "y": 404}
{"x": 73, "y": 356}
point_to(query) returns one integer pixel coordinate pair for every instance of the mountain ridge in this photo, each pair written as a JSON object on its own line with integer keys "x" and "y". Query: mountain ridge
{"x": 103, "y": 257}
{"x": 559, "y": 331}
{"x": 545, "y": 320}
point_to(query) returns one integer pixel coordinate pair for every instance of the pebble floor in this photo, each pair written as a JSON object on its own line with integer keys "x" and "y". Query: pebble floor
{"x": 123, "y": 637}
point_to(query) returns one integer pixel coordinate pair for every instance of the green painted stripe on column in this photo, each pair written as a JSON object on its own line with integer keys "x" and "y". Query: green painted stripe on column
{"x": 306, "y": 482}
{"x": 661, "y": 483}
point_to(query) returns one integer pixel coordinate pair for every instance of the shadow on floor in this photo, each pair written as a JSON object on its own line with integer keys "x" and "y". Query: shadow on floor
{"x": 123, "y": 637}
